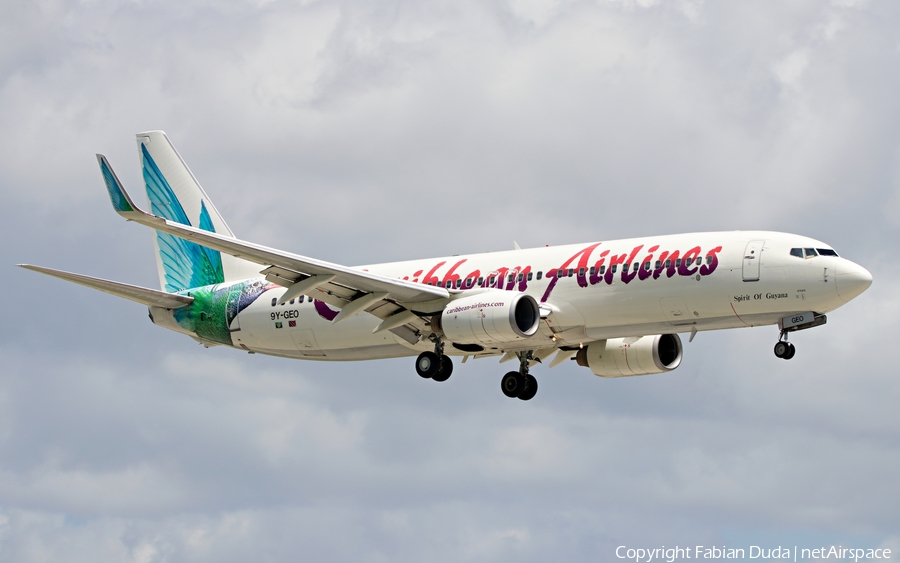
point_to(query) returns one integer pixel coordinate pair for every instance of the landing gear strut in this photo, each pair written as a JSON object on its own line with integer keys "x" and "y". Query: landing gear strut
{"x": 784, "y": 349}
{"x": 434, "y": 365}
{"x": 520, "y": 384}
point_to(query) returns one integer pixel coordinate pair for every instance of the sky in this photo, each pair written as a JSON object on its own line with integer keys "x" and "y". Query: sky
{"x": 360, "y": 132}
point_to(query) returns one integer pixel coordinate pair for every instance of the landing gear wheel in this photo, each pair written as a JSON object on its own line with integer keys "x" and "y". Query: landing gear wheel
{"x": 530, "y": 389}
{"x": 790, "y": 351}
{"x": 512, "y": 384}
{"x": 446, "y": 368}
{"x": 428, "y": 364}
{"x": 781, "y": 349}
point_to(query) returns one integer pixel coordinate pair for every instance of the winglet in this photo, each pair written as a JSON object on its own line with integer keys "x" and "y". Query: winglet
{"x": 121, "y": 201}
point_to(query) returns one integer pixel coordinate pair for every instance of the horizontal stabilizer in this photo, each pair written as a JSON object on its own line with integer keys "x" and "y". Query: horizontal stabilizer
{"x": 143, "y": 295}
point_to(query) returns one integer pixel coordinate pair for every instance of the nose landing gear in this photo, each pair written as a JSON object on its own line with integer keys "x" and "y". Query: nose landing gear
{"x": 784, "y": 349}
{"x": 520, "y": 384}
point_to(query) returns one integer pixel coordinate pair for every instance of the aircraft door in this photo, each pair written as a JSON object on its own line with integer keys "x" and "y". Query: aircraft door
{"x": 751, "y": 260}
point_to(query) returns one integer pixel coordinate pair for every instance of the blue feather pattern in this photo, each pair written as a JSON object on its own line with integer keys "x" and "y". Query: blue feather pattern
{"x": 185, "y": 264}
{"x": 120, "y": 203}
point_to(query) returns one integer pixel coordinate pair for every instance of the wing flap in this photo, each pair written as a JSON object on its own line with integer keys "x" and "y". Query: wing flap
{"x": 152, "y": 297}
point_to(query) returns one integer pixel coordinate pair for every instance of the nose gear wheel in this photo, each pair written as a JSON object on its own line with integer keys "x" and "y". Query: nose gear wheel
{"x": 784, "y": 349}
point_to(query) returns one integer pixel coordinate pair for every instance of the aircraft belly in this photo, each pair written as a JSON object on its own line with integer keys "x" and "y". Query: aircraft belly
{"x": 656, "y": 307}
{"x": 343, "y": 354}
{"x": 716, "y": 323}
{"x": 299, "y": 330}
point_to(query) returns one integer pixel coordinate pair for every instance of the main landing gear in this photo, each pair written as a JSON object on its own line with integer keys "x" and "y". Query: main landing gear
{"x": 434, "y": 365}
{"x": 784, "y": 349}
{"x": 520, "y": 384}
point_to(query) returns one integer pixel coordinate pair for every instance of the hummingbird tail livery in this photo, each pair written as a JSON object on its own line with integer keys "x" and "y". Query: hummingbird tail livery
{"x": 615, "y": 307}
{"x": 174, "y": 194}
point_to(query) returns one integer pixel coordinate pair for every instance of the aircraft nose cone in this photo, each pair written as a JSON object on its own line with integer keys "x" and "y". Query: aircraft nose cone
{"x": 851, "y": 280}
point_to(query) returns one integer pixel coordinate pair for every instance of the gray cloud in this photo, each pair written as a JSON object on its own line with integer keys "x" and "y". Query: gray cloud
{"x": 363, "y": 132}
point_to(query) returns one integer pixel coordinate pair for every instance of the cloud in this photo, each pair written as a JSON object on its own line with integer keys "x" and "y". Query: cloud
{"x": 362, "y": 132}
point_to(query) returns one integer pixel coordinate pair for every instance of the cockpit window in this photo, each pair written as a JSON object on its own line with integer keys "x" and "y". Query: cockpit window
{"x": 798, "y": 252}
{"x": 810, "y": 252}
{"x": 826, "y": 252}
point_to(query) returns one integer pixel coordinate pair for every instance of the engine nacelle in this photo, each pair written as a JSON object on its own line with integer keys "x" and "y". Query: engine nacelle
{"x": 490, "y": 317}
{"x": 620, "y": 357}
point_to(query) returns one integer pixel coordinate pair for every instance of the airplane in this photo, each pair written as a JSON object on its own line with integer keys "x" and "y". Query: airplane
{"x": 615, "y": 307}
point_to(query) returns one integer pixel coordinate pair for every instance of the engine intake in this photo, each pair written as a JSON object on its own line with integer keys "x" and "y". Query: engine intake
{"x": 620, "y": 357}
{"x": 491, "y": 317}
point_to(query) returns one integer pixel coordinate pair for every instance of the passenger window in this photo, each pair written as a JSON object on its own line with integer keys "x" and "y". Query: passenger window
{"x": 798, "y": 252}
{"x": 529, "y": 276}
{"x": 592, "y": 270}
{"x": 810, "y": 252}
{"x": 668, "y": 264}
{"x": 647, "y": 266}
{"x": 274, "y": 301}
{"x": 636, "y": 266}
{"x": 826, "y": 252}
{"x": 580, "y": 272}
{"x": 699, "y": 261}
{"x": 678, "y": 262}
{"x": 571, "y": 271}
{"x": 658, "y": 264}
{"x": 521, "y": 277}
{"x": 614, "y": 268}
{"x": 540, "y": 274}
{"x": 302, "y": 299}
{"x": 480, "y": 280}
{"x": 602, "y": 270}
{"x": 292, "y": 301}
{"x": 709, "y": 260}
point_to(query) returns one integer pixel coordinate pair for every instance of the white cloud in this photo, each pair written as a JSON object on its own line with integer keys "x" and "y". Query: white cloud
{"x": 538, "y": 12}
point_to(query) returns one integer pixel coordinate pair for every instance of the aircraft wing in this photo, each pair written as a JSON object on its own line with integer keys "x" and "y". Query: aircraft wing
{"x": 353, "y": 288}
{"x": 143, "y": 295}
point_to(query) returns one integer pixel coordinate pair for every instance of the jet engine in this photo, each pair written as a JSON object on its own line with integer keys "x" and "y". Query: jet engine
{"x": 488, "y": 318}
{"x": 643, "y": 355}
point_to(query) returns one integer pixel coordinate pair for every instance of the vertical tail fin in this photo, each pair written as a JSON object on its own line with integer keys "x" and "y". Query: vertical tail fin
{"x": 175, "y": 194}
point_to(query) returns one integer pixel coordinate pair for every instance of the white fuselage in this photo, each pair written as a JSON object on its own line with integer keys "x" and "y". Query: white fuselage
{"x": 675, "y": 283}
